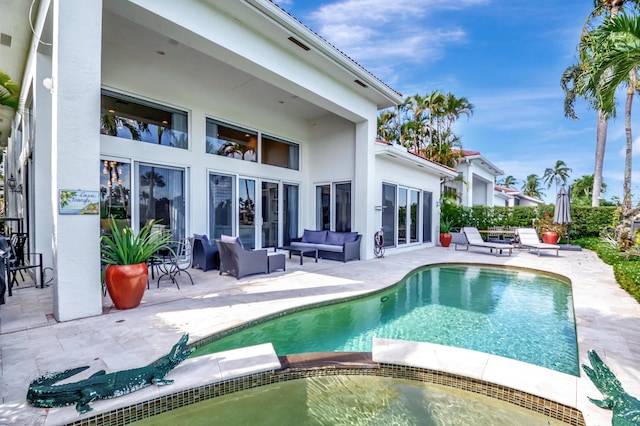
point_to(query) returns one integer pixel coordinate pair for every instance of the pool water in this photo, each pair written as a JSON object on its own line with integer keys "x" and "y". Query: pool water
{"x": 512, "y": 313}
{"x": 351, "y": 400}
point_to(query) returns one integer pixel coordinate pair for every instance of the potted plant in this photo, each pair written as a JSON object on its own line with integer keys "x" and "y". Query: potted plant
{"x": 126, "y": 254}
{"x": 551, "y": 232}
{"x": 446, "y": 226}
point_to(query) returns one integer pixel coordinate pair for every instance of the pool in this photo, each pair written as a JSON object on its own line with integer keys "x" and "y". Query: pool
{"x": 513, "y": 313}
{"x": 352, "y": 400}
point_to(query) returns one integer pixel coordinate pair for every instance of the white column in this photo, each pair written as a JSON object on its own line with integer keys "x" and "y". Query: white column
{"x": 364, "y": 186}
{"x": 75, "y": 153}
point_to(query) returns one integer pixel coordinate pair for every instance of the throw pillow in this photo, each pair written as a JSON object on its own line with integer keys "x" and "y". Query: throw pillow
{"x": 230, "y": 239}
{"x": 350, "y": 237}
{"x": 315, "y": 237}
{"x": 335, "y": 238}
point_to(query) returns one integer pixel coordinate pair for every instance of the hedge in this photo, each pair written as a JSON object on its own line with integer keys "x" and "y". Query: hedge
{"x": 585, "y": 221}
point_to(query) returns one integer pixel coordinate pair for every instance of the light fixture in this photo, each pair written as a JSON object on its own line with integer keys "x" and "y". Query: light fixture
{"x": 48, "y": 84}
{"x": 12, "y": 185}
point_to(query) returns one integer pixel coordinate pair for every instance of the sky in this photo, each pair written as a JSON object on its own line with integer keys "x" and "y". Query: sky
{"x": 505, "y": 57}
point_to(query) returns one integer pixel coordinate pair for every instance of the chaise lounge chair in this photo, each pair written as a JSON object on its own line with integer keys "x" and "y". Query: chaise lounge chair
{"x": 474, "y": 239}
{"x": 529, "y": 239}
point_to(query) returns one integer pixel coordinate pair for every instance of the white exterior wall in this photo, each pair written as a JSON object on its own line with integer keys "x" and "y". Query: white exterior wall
{"x": 117, "y": 52}
{"x": 480, "y": 182}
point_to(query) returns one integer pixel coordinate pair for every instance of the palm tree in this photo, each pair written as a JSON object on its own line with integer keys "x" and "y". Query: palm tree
{"x": 558, "y": 174}
{"x": 615, "y": 62}
{"x": 507, "y": 182}
{"x": 9, "y": 92}
{"x": 573, "y": 84}
{"x": 532, "y": 186}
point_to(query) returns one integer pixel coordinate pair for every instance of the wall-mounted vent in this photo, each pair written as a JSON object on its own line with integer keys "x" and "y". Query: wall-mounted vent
{"x": 300, "y": 44}
{"x": 5, "y": 39}
{"x": 359, "y": 83}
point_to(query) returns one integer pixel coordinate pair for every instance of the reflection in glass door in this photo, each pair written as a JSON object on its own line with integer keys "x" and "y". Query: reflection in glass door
{"x": 269, "y": 214}
{"x": 402, "y": 216}
{"x": 389, "y": 214}
{"x": 290, "y": 207}
{"x": 162, "y": 198}
{"x": 221, "y": 205}
{"x": 413, "y": 215}
{"x": 247, "y": 212}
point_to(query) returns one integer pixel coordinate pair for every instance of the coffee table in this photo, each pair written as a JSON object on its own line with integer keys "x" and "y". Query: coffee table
{"x": 300, "y": 251}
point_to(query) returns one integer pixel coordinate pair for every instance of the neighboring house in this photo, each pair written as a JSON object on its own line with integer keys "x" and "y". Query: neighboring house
{"x": 215, "y": 117}
{"x": 479, "y": 178}
{"x": 513, "y": 197}
{"x": 502, "y": 197}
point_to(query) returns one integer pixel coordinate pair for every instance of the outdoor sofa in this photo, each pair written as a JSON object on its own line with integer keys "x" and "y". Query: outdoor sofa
{"x": 332, "y": 245}
{"x": 474, "y": 239}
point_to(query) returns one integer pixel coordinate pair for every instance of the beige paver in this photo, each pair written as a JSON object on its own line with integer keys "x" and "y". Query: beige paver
{"x": 33, "y": 343}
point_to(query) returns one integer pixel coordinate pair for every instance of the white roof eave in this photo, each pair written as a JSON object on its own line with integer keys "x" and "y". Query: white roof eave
{"x": 400, "y": 155}
{"x": 330, "y": 52}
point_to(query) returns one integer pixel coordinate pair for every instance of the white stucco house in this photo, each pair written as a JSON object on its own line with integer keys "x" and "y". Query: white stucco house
{"x": 215, "y": 116}
{"x": 478, "y": 180}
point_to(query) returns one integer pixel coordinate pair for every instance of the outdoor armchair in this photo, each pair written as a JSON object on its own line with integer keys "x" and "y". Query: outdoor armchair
{"x": 238, "y": 262}
{"x": 205, "y": 253}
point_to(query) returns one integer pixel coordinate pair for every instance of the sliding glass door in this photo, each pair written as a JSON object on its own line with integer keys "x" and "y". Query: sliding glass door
{"x": 221, "y": 205}
{"x": 290, "y": 212}
{"x": 161, "y": 196}
{"x": 389, "y": 214}
{"x": 247, "y": 212}
{"x": 269, "y": 207}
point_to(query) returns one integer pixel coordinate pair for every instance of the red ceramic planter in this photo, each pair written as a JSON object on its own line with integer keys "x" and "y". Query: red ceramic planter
{"x": 126, "y": 284}
{"x": 550, "y": 237}
{"x": 445, "y": 239}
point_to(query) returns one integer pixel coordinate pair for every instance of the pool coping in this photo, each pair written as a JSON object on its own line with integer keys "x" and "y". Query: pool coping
{"x": 223, "y": 373}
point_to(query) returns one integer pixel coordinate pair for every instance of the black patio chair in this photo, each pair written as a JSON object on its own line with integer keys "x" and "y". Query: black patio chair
{"x": 20, "y": 259}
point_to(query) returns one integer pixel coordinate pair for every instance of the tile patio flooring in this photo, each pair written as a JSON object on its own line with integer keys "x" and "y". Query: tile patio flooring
{"x": 32, "y": 342}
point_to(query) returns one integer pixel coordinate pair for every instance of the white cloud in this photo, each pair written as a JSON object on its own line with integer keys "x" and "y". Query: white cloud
{"x": 377, "y": 31}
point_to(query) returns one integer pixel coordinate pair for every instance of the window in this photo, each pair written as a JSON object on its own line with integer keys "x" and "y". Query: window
{"x": 280, "y": 153}
{"x": 130, "y": 118}
{"x": 162, "y": 197}
{"x": 115, "y": 190}
{"x": 231, "y": 141}
{"x": 290, "y": 206}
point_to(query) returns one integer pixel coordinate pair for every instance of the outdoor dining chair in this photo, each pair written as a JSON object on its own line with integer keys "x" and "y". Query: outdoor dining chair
{"x": 177, "y": 262}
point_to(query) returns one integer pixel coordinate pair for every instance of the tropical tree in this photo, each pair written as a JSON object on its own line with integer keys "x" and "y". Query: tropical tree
{"x": 615, "y": 63}
{"x": 532, "y": 186}
{"x": 558, "y": 174}
{"x": 424, "y": 125}
{"x": 507, "y": 182}
{"x": 575, "y": 84}
{"x": 9, "y": 92}
{"x": 581, "y": 190}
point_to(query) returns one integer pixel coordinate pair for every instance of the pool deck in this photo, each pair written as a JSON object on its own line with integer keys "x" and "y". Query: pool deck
{"x": 33, "y": 343}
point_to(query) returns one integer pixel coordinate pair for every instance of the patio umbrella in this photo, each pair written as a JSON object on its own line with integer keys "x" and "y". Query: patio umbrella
{"x": 562, "y": 213}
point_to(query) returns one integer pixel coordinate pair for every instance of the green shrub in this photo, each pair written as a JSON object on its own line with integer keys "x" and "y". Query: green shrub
{"x": 626, "y": 268}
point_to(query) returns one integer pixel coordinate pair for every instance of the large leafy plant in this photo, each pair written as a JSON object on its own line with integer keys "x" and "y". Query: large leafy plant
{"x": 125, "y": 247}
